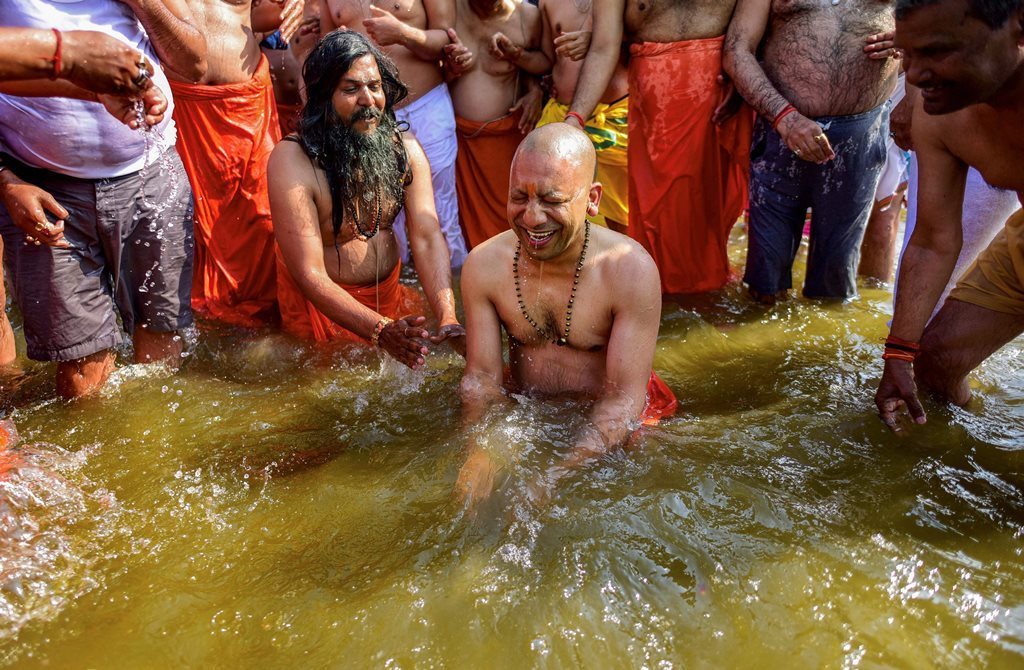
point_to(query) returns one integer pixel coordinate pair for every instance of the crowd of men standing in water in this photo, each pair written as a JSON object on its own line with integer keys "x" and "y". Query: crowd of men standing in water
{"x": 144, "y": 174}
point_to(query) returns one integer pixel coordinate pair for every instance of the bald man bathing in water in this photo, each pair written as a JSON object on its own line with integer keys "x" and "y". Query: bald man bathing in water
{"x": 581, "y": 306}
{"x": 967, "y": 58}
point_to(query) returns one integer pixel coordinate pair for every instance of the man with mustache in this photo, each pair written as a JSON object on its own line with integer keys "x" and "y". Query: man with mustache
{"x": 335, "y": 190}
{"x": 967, "y": 59}
{"x": 580, "y": 304}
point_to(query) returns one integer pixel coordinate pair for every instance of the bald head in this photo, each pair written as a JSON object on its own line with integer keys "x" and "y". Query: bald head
{"x": 561, "y": 144}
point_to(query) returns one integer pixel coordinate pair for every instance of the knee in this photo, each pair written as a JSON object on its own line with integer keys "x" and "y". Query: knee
{"x": 941, "y": 368}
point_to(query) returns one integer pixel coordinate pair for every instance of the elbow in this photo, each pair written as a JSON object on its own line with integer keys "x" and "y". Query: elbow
{"x": 729, "y": 63}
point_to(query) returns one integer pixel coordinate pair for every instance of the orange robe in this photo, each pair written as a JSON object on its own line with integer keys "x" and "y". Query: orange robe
{"x": 661, "y": 402}
{"x": 300, "y": 318}
{"x": 688, "y": 178}
{"x": 482, "y": 174}
{"x": 225, "y": 136}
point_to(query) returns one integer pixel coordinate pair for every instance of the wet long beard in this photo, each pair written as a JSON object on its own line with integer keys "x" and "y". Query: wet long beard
{"x": 361, "y": 166}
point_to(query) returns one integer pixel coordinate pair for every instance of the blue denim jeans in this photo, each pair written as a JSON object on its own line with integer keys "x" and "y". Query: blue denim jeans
{"x": 840, "y": 194}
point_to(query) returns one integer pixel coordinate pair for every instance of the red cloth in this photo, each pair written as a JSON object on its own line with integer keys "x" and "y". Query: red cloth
{"x": 688, "y": 177}
{"x": 661, "y": 402}
{"x": 300, "y": 318}
{"x": 225, "y": 136}
{"x": 482, "y": 170}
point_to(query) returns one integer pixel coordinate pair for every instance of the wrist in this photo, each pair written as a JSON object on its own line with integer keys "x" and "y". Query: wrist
{"x": 378, "y": 328}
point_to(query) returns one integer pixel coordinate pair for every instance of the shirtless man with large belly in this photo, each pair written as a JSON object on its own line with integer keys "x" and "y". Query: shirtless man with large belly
{"x": 413, "y": 33}
{"x": 580, "y": 305}
{"x": 489, "y": 110}
{"x": 687, "y": 157}
{"x": 227, "y": 127}
{"x": 967, "y": 58}
{"x": 336, "y": 188}
{"x": 819, "y": 141}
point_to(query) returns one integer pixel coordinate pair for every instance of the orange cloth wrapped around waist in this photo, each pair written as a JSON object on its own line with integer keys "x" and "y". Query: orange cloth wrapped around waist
{"x": 300, "y": 318}
{"x": 482, "y": 169}
{"x": 661, "y": 402}
{"x": 225, "y": 136}
{"x": 688, "y": 177}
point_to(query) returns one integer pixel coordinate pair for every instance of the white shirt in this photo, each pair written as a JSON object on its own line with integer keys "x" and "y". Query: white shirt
{"x": 76, "y": 137}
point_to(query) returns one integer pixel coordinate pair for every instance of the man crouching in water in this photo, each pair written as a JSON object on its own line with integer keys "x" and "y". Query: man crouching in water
{"x": 581, "y": 305}
{"x": 335, "y": 190}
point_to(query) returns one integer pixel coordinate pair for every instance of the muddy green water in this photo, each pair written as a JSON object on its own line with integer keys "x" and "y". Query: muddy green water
{"x": 271, "y": 507}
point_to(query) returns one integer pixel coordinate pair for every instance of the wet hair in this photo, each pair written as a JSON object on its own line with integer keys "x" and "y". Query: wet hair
{"x": 355, "y": 166}
{"x": 993, "y": 12}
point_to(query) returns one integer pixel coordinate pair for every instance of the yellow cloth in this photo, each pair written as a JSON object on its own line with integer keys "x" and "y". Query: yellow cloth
{"x": 608, "y": 130}
{"x": 996, "y": 279}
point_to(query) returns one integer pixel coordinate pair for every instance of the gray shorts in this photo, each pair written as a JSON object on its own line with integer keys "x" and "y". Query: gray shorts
{"x": 127, "y": 257}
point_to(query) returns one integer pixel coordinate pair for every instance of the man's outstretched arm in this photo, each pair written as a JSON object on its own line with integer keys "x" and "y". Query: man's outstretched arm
{"x": 604, "y": 54}
{"x": 929, "y": 260}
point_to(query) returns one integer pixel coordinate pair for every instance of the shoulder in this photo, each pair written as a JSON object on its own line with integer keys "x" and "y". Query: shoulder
{"x": 290, "y": 164}
{"x": 627, "y": 267}
{"x": 531, "y": 14}
{"x": 486, "y": 261}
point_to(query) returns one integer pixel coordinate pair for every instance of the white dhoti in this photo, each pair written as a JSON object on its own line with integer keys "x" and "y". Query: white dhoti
{"x": 432, "y": 121}
{"x": 897, "y": 161}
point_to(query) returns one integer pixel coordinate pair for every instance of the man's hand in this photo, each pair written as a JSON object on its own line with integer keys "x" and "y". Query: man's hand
{"x": 897, "y": 388}
{"x": 458, "y": 59}
{"x": 531, "y": 105}
{"x": 455, "y": 333}
{"x": 880, "y": 46}
{"x": 384, "y": 28}
{"x": 124, "y": 109}
{"x": 403, "y": 340}
{"x": 573, "y": 45}
{"x": 503, "y": 48}
{"x": 27, "y": 206}
{"x": 729, "y": 101}
{"x": 805, "y": 138}
{"x": 291, "y": 19}
{"x": 900, "y": 123}
{"x": 99, "y": 63}
{"x": 476, "y": 479}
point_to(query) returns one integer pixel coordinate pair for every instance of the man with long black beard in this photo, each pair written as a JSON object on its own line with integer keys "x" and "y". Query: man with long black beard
{"x": 335, "y": 190}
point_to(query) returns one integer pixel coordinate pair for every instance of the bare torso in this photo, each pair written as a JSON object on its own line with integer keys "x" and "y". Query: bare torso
{"x": 814, "y": 55}
{"x": 538, "y": 364}
{"x": 419, "y": 75}
{"x": 978, "y": 136}
{"x": 348, "y": 259}
{"x": 676, "y": 20}
{"x": 287, "y": 76}
{"x": 488, "y": 90}
{"x": 233, "y": 52}
{"x": 565, "y": 17}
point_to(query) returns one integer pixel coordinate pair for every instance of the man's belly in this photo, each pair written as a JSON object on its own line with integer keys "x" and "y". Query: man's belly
{"x": 233, "y": 53}
{"x": 478, "y": 96}
{"x": 553, "y": 370}
{"x": 362, "y": 263}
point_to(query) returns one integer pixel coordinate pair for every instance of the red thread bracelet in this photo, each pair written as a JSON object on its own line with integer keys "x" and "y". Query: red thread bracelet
{"x": 786, "y": 111}
{"x": 579, "y": 117}
{"x": 56, "y": 60}
{"x": 892, "y": 339}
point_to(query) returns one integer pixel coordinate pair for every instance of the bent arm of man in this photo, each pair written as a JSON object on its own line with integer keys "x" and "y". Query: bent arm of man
{"x": 429, "y": 249}
{"x": 480, "y": 388}
{"x": 599, "y": 65}
{"x": 89, "y": 59}
{"x": 739, "y": 60}
{"x": 175, "y": 35}
{"x": 637, "y": 317}
{"x": 929, "y": 259}
{"x": 426, "y": 44}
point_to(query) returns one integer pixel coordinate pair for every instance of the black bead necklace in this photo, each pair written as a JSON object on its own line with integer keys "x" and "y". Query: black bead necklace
{"x": 543, "y": 332}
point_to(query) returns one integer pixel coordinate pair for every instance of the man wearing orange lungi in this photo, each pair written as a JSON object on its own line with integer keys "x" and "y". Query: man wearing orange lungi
{"x": 688, "y": 158}
{"x": 490, "y": 117}
{"x": 336, "y": 188}
{"x": 227, "y": 127}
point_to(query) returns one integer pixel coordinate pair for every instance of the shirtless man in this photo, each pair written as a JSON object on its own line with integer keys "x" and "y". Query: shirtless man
{"x": 580, "y": 305}
{"x": 413, "y": 34}
{"x": 227, "y": 127}
{"x": 688, "y": 155}
{"x": 490, "y": 114}
{"x": 819, "y": 141}
{"x": 336, "y": 189}
{"x": 967, "y": 58}
{"x": 566, "y": 39}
